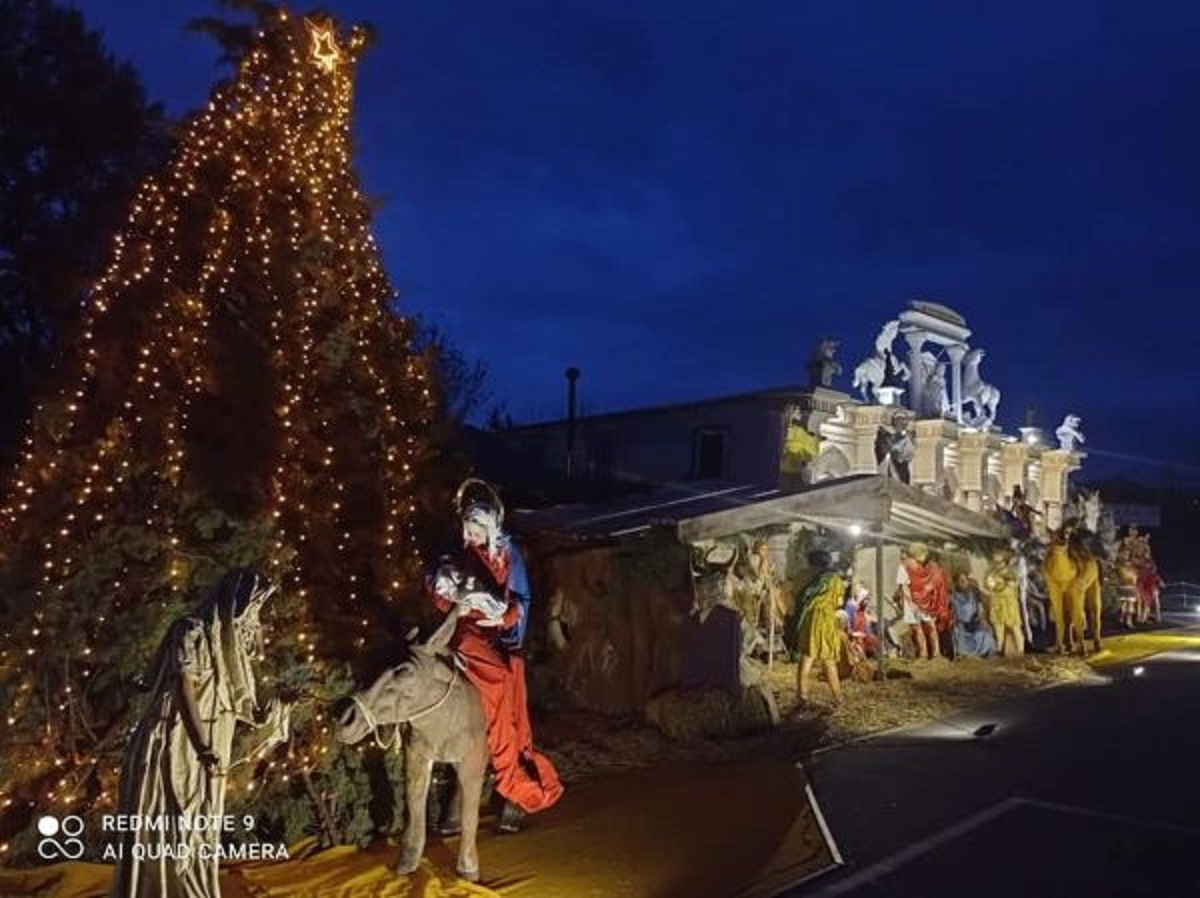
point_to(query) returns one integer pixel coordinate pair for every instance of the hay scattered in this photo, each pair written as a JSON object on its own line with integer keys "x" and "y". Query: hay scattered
{"x": 688, "y": 716}
{"x": 920, "y": 692}
{"x": 703, "y": 727}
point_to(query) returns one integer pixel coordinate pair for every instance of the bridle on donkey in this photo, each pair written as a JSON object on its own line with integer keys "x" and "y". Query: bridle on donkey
{"x": 374, "y": 724}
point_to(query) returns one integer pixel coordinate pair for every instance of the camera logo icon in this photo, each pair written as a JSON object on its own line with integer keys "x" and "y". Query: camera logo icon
{"x": 60, "y": 838}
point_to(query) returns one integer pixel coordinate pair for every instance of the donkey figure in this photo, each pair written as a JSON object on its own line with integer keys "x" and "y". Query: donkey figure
{"x": 446, "y": 724}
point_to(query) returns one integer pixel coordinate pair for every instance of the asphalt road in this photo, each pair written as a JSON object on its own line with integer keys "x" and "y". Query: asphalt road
{"x": 1089, "y": 790}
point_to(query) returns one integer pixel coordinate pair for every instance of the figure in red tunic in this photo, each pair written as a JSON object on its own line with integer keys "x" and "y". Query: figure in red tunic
{"x": 490, "y": 646}
{"x": 923, "y": 588}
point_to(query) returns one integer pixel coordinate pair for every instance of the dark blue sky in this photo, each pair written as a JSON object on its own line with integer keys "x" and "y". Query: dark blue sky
{"x": 680, "y": 197}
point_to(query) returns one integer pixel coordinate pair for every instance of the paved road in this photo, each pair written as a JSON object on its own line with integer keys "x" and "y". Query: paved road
{"x": 1089, "y": 790}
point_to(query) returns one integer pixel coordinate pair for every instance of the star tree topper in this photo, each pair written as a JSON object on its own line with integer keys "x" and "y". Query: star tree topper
{"x": 324, "y": 46}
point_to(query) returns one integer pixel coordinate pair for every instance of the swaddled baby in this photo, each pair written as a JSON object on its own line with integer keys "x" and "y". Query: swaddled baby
{"x": 450, "y": 584}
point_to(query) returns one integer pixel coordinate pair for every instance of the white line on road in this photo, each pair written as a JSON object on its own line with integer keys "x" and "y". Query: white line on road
{"x": 912, "y": 852}
{"x": 1108, "y": 815}
{"x": 894, "y": 862}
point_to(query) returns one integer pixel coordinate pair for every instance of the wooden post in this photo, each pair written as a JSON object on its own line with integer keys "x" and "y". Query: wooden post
{"x": 880, "y": 620}
{"x": 770, "y": 630}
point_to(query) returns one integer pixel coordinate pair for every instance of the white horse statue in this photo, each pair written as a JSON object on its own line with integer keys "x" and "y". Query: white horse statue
{"x": 982, "y": 396}
{"x": 871, "y": 372}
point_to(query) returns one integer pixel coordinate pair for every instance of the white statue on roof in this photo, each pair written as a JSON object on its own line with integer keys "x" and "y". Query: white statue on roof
{"x": 1068, "y": 433}
{"x": 983, "y": 397}
{"x": 875, "y": 371}
{"x": 934, "y": 390}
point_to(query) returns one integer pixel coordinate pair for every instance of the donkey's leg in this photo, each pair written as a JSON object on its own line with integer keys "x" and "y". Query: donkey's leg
{"x": 417, "y": 774}
{"x": 470, "y": 790}
{"x": 451, "y": 824}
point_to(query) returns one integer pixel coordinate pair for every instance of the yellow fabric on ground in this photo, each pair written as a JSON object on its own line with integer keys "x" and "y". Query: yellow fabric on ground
{"x": 1126, "y": 647}
{"x": 700, "y": 830}
{"x": 70, "y": 880}
{"x": 348, "y": 872}
{"x": 697, "y": 830}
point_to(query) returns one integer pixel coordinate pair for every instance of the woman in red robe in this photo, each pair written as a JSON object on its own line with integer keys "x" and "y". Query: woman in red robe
{"x": 491, "y": 650}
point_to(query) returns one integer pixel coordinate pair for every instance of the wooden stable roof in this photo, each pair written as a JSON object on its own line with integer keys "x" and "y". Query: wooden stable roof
{"x": 710, "y": 510}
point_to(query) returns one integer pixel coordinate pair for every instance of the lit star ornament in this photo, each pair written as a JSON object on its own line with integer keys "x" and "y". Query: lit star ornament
{"x": 324, "y": 47}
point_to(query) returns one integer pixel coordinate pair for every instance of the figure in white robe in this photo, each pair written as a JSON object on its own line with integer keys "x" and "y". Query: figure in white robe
{"x": 178, "y": 758}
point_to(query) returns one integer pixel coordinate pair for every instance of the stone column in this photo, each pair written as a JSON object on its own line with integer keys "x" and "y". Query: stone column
{"x": 929, "y": 462}
{"x": 972, "y": 459}
{"x": 993, "y": 467}
{"x": 1013, "y": 457}
{"x": 916, "y": 388}
{"x": 866, "y": 421}
{"x": 956, "y": 351}
{"x": 1056, "y": 465}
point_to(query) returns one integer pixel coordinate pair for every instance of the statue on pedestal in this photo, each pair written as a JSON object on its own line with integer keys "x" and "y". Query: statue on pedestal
{"x": 894, "y": 449}
{"x": 881, "y": 369}
{"x": 1068, "y": 433}
{"x": 934, "y": 391}
{"x": 983, "y": 397}
{"x": 822, "y": 366}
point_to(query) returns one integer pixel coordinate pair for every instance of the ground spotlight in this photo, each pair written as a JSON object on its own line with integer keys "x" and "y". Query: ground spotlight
{"x": 982, "y": 732}
{"x": 1139, "y": 670}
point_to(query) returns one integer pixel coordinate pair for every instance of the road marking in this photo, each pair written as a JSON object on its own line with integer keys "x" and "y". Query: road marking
{"x": 816, "y": 806}
{"x": 906, "y": 855}
{"x": 1108, "y": 815}
{"x": 894, "y": 862}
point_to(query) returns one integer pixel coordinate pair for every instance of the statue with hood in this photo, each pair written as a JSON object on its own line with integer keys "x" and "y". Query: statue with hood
{"x": 178, "y": 758}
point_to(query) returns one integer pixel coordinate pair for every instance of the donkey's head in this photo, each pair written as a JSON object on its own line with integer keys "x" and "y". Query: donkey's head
{"x": 403, "y": 690}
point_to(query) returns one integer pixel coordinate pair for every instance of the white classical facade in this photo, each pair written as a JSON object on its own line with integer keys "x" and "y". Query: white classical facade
{"x": 960, "y": 454}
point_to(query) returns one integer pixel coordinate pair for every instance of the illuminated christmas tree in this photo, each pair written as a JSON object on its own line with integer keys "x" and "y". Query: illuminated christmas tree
{"x": 244, "y": 394}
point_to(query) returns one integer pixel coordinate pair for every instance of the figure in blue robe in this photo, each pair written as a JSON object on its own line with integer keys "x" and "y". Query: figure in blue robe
{"x": 972, "y": 635}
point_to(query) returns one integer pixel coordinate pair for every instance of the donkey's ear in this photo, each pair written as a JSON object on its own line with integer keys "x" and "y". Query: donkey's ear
{"x": 412, "y": 635}
{"x": 440, "y": 637}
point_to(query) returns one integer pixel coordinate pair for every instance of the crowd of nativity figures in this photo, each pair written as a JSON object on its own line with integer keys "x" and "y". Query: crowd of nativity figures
{"x": 1041, "y": 589}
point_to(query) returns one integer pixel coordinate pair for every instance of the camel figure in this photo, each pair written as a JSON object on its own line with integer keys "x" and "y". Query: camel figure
{"x": 446, "y": 724}
{"x": 1072, "y": 576}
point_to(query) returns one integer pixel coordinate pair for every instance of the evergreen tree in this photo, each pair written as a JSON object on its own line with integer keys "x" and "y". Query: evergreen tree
{"x": 77, "y": 136}
{"x": 244, "y": 395}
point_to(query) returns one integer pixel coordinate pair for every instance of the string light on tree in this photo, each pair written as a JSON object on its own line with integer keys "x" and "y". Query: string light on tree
{"x": 242, "y": 393}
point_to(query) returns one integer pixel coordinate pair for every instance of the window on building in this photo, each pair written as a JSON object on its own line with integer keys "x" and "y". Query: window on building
{"x": 709, "y": 458}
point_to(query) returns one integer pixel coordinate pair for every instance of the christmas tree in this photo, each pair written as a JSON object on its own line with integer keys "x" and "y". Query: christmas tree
{"x": 244, "y": 395}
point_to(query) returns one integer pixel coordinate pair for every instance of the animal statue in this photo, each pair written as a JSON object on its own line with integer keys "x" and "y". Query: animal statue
{"x": 983, "y": 397}
{"x": 1072, "y": 577}
{"x": 1068, "y": 433}
{"x": 869, "y": 375}
{"x": 446, "y": 724}
{"x": 871, "y": 372}
{"x": 822, "y": 366}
